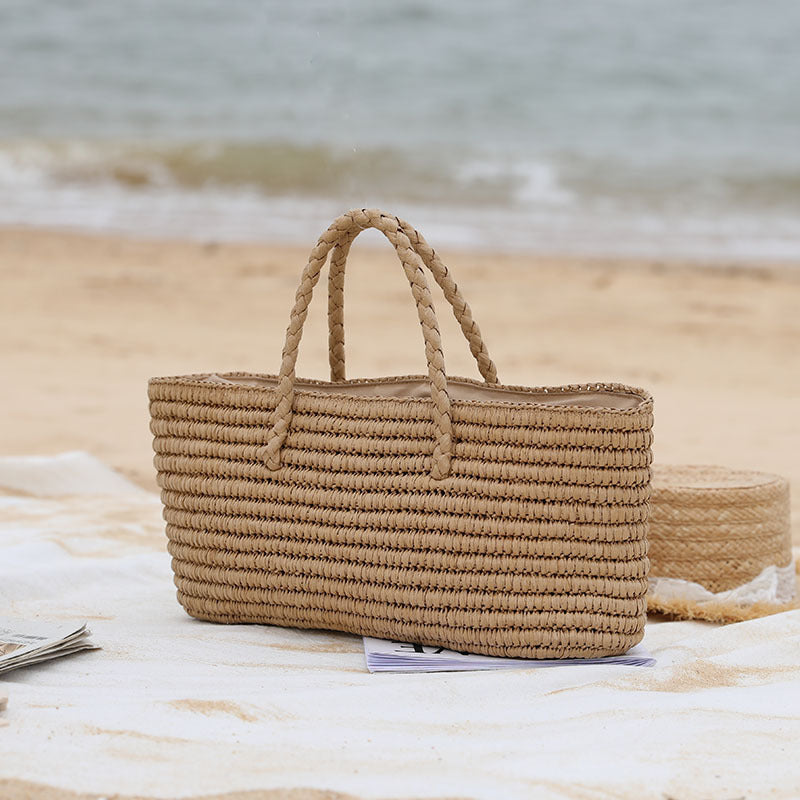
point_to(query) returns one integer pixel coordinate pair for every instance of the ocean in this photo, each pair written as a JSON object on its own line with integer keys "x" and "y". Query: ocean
{"x": 622, "y": 127}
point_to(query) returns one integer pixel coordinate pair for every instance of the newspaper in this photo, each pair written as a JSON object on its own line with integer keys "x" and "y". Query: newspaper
{"x": 385, "y": 656}
{"x": 25, "y": 643}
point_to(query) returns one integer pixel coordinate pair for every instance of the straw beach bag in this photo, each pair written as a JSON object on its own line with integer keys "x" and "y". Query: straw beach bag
{"x": 501, "y": 520}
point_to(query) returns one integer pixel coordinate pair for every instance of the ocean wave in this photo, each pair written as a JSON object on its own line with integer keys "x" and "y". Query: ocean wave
{"x": 281, "y": 169}
{"x": 271, "y": 168}
{"x": 279, "y": 191}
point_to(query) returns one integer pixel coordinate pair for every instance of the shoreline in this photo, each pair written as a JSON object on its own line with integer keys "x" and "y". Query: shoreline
{"x": 670, "y": 261}
{"x": 86, "y": 319}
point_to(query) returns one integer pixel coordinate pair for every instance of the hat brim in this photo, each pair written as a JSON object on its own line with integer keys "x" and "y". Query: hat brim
{"x": 720, "y": 610}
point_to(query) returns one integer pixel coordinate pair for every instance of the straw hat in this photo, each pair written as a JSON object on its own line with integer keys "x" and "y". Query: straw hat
{"x": 720, "y": 544}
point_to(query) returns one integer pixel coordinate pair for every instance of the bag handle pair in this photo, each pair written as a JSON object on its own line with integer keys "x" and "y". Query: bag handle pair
{"x": 438, "y": 269}
{"x": 414, "y": 253}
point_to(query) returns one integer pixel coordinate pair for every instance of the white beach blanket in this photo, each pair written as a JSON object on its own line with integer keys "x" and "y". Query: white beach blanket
{"x": 174, "y": 707}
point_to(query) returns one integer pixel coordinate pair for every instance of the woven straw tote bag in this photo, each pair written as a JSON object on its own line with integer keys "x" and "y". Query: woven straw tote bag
{"x": 501, "y": 520}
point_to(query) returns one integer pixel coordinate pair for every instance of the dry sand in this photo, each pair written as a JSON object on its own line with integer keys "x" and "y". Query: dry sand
{"x": 24, "y": 790}
{"x": 86, "y": 320}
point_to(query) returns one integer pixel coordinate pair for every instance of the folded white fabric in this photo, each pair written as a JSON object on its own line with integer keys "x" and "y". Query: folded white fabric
{"x": 73, "y": 473}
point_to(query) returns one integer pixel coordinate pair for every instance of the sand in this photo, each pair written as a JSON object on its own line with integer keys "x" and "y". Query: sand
{"x": 85, "y": 320}
{"x": 24, "y": 790}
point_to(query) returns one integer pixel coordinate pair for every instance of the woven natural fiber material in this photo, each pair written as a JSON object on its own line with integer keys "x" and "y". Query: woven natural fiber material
{"x": 492, "y": 519}
{"x": 719, "y": 528}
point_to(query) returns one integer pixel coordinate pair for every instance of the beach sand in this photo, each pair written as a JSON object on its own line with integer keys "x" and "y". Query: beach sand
{"x": 85, "y": 320}
{"x": 24, "y": 790}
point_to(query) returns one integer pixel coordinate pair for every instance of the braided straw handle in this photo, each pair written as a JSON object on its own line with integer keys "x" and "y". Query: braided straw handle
{"x": 461, "y": 309}
{"x": 345, "y": 229}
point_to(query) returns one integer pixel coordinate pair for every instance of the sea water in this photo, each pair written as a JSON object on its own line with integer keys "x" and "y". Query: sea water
{"x": 639, "y": 127}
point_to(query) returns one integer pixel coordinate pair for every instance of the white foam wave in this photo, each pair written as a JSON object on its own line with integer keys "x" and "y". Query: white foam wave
{"x": 533, "y": 183}
{"x": 37, "y": 190}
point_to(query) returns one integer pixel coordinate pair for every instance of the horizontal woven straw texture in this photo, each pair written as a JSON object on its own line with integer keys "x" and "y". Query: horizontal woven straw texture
{"x": 718, "y": 527}
{"x": 500, "y": 520}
